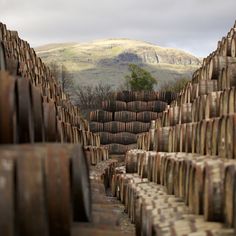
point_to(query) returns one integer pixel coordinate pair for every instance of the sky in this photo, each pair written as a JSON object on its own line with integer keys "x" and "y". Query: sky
{"x": 192, "y": 25}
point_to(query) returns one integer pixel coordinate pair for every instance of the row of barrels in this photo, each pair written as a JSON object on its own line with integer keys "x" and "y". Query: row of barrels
{"x": 206, "y": 184}
{"x": 155, "y": 212}
{"x": 121, "y": 138}
{"x": 44, "y": 187}
{"x": 129, "y": 96}
{"x": 207, "y": 137}
{"x": 95, "y": 154}
{"x": 213, "y": 105}
{"x": 18, "y": 59}
{"x": 27, "y": 117}
{"x": 118, "y": 126}
{"x": 135, "y": 106}
{"x": 122, "y": 116}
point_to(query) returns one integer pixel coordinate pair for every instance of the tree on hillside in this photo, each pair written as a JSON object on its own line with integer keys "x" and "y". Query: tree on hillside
{"x": 175, "y": 85}
{"x": 140, "y": 79}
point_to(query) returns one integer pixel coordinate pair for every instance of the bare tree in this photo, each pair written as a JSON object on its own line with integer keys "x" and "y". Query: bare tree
{"x": 91, "y": 97}
{"x": 61, "y": 74}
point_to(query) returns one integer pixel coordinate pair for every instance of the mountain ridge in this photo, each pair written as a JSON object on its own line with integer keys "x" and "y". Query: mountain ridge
{"x": 108, "y": 60}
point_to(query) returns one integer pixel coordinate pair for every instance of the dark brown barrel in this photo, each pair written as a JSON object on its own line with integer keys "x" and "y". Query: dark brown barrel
{"x": 201, "y": 107}
{"x": 113, "y": 106}
{"x": 58, "y": 181}
{"x": 167, "y": 96}
{"x": 37, "y": 110}
{"x": 24, "y": 108}
{"x": 96, "y": 127}
{"x": 137, "y": 127}
{"x": 100, "y": 116}
{"x": 146, "y": 96}
{"x": 156, "y": 106}
{"x": 50, "y": 121}
{"x": 114, "y": 127}
{"x": 2, "y": 57}
{"x": 31, "y": 208}
{"x": 8, "y": 111}
{"x": 125, "y": 116}
{"x": 146, "y": 116}
{"x": 126, "y": 96}
{"x": 44, "y": 173}
{"x": 106, "y": 137}
{"x": 213, "y": 200}
{"x": 124, "y": 138}
{"x": 194, "y": 137}
{"x": 137, "y": 106}
{"x": 7, "y": 192}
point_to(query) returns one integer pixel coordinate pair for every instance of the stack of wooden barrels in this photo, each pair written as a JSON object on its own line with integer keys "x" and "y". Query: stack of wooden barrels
{"x": 44, "y": 178}
{"x": 121, "y": 120}
{"x": 183, "y": 175}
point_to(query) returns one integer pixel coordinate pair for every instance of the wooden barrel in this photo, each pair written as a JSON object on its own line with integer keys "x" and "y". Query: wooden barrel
{"x": 213, "y": 200}
{"x": 206, "y": 87}
{"x": 188, "y": 138}
{"x": 115, "y": 148}
{"x": 146, "y": 116}
{"x": 217, "y": 63}
{"x": 125, "y": 116}
{"x": 100, "y": 116}
{"x": 224, "y": 103}
{"x": 136, "y": 127}
{"x": 231, "y": 101}
{"x": 167, "y": 96}
{"x": 126, "y": 96}
{"x": 8, "y": 111}
{"x": 161, "y": 139}
{"x": 124, "y": 138}
{"x": 137, "y": 106}
{"x": 115, "y": 126}
{"x": 2, "y": 57}
{"x": 173, "y": 115}
{"x": 37, "y": 110}
{"x": 215, "y": 136}
{"x": 212, "y": 105}
{"x": 8, "y": 193}
{"x": 182, "y": 137}
{"x": 229, "y": 195}
{"x": 49, "y": 111}
{"x": 146, "y": 95}
{"x": 65, "y": 168}
{"x": 194, "y": 138}
{"x": 208, "y": 137}
{"x": 113, "y": 106}
{"x": 222, "y": 137}
{"x": 131, "y": 161}
{"x": 186, "y": 113}
{"x": 156, "y": 106}
{"x": 24, "y": 108}
{"x": 96, "y": 127}
{"x": 230, "y": 136}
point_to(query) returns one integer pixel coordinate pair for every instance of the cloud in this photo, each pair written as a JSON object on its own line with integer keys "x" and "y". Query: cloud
{"x": 193, "y": 25}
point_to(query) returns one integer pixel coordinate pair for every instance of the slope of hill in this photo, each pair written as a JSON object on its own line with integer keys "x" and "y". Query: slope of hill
{"x": 107, "y": 60}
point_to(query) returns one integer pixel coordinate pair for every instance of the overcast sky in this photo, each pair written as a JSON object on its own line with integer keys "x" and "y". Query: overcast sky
{"x": 192, "y": 25}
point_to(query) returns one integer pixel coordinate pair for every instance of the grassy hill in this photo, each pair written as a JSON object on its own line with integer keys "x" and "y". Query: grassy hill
{"x": 107, "y": 60}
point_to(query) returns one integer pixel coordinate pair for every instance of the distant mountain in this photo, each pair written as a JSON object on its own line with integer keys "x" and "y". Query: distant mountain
{"x": 107, "y": 60}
